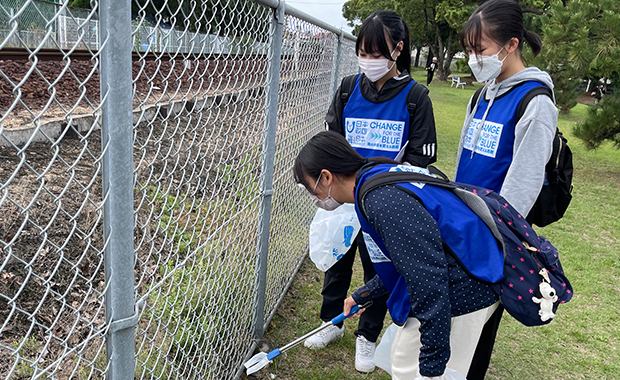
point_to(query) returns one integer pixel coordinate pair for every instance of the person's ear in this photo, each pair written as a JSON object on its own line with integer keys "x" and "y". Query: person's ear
{"x": 512, "y": 45}
{"x": 328, "y": 176}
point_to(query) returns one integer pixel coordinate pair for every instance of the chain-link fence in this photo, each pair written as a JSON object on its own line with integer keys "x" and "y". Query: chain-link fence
{"x": 149, "y": 221}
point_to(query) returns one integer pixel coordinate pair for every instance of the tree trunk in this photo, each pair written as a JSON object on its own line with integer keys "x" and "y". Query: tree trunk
{"x": 441, "y": 72}
{"x": 418, "y": 52}
{"x": 446, "y": 58}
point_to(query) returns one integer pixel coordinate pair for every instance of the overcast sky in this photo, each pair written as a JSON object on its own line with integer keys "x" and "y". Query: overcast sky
{"x": 329, "y": 11}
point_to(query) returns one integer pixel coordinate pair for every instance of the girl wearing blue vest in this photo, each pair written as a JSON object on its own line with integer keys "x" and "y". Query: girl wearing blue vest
{"x": 381, "y": 112}
{"x": 439, "y": 306}
{"x": 496, "y": 150}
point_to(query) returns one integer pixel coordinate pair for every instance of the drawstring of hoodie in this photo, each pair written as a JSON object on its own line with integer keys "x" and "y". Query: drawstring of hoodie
{"x": 484, "y": 117}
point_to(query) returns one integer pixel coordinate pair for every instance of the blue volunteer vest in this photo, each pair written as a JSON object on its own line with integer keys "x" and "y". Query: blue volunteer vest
{"x": 493, "y": 154}
{"x": 376, "y": 129}
{"x": 461, "y": 229}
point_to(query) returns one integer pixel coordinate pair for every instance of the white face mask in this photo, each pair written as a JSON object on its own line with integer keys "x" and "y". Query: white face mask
{"x": 328, "y": 203}
{"x": 375, "y": 69}
{"x": 489, "y": 67}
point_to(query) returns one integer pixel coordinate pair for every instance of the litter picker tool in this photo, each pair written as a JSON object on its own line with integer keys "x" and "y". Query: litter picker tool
{"x": 260, "y": 360}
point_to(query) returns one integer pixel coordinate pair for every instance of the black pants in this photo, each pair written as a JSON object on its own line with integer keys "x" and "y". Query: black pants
{"x": 484, "y": 349}
{"x": 336, "y": 286}
{"x": 429, "y": 77}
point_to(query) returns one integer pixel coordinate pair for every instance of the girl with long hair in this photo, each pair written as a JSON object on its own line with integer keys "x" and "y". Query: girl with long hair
{"x": 439, "y": 307}
{"x": 381, "y": 112}
{"x": 501, "y": 148}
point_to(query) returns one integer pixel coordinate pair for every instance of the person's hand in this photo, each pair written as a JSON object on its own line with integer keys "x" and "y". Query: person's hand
{"x": 348, "y": 304}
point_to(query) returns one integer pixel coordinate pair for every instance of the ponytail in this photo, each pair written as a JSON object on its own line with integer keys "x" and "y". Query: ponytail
{"x": 500, "y": 20}
{"x": 534, "y": 41}
{"x": 404, "y": 59}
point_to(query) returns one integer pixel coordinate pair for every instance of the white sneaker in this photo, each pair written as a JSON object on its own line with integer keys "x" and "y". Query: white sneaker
{"x": 324, "y": 337}
{"x": 364, "y": 355}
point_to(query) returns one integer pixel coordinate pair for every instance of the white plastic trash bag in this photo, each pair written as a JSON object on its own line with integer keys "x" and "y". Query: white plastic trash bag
{"x": 384, "y": 349}
{"x": 331, "y": 235}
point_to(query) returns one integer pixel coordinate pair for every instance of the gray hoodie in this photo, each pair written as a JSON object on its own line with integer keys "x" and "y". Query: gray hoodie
{"x": 534, "y": 135}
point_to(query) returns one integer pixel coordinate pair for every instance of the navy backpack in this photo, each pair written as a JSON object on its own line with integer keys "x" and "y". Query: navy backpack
{"x": 534, "y": 283}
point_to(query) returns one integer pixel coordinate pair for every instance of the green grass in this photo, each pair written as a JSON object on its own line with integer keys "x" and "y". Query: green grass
{"x": 582, "y": 343}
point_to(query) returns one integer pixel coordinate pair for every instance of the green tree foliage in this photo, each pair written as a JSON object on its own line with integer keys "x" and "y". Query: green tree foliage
{"x": 190, "y": 15}
{"x": 224, "y": 18}
{"x": 559, "y": 30}
{"x": 602, "y": 123}
{"x": 443, "y": 22}
{"x": 432, "y": 23}
{"x": 581, "y": 40}
{"x": 80, "y": 4}
{"x": 601, "y": 51}
{"x": 356, "y": 11}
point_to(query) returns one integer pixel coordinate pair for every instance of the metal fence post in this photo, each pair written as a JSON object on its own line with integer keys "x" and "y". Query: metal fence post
{"x": 269, "y": 148}
{"x": 118, "y": 182}
{"x": 336, "y": 66}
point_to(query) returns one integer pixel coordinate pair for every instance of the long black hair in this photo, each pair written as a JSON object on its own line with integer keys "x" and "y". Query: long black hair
{"x": 372, "y": 36}
{"x": 500, "y": 20}
{"x": 329, "y": 150}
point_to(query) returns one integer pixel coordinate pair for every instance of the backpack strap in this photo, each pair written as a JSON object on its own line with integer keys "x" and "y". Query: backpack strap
{"x": 523, "y": 103}
{"x": 531, "y": 94}
{"x": 415, "y": 97}
{"x": 346, "y": 89}
{"x": 558, "y": 141}
{"x": 435, "y": 171}
{"x": 473, "y": 201}
{"x": 475, "y": 98}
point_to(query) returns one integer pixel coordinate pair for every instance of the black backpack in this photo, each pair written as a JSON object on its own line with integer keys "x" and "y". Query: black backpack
{"x": 414, "y": 96}
{"x": 555, "y": 195}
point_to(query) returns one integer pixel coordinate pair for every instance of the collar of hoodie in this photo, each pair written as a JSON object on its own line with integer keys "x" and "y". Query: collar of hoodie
{"x": 493, "y": 90}
{"x": 390, "y": 89}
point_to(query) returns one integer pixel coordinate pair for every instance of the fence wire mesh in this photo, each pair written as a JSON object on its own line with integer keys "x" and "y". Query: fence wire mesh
{"x": 200, "y": 84}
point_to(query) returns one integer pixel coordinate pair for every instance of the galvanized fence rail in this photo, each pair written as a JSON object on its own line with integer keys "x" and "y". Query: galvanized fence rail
{"x": 149, "y": 223}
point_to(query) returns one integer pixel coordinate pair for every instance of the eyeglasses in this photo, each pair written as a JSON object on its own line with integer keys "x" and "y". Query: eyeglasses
{"x": 317, "y": 183}
{"x": 313, "y": 192}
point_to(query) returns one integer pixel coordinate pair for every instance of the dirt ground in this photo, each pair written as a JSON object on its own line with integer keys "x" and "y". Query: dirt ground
{"x": 51, "y": 229}
{"x": 53, "y": 89}
{"x": 51, "y": 280}
{"x": 586, "y": 99}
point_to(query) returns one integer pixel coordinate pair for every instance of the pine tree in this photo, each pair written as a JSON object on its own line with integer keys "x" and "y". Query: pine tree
{"x": 581, "y": 39}
{"x": 603, "y": 47}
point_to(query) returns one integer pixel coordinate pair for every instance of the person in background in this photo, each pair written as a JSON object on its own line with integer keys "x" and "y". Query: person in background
{"x": 430, "y": 71}
{"x": 378, "y": 98}
{"x": 504, "y": 155}
{"x": 598, "y": 93}
{"x": 440, "y": 308}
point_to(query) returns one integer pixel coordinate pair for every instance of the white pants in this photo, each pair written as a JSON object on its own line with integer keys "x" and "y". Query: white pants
{"x": 464, "y": 335}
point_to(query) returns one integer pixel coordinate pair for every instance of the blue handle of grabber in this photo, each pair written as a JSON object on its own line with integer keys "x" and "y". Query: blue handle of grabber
{"x": 273, "y": 354}
{"x": 342, "y": 317}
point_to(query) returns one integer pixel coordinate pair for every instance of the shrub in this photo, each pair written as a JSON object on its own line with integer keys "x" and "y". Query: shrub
{"x": 461, "y": 66}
